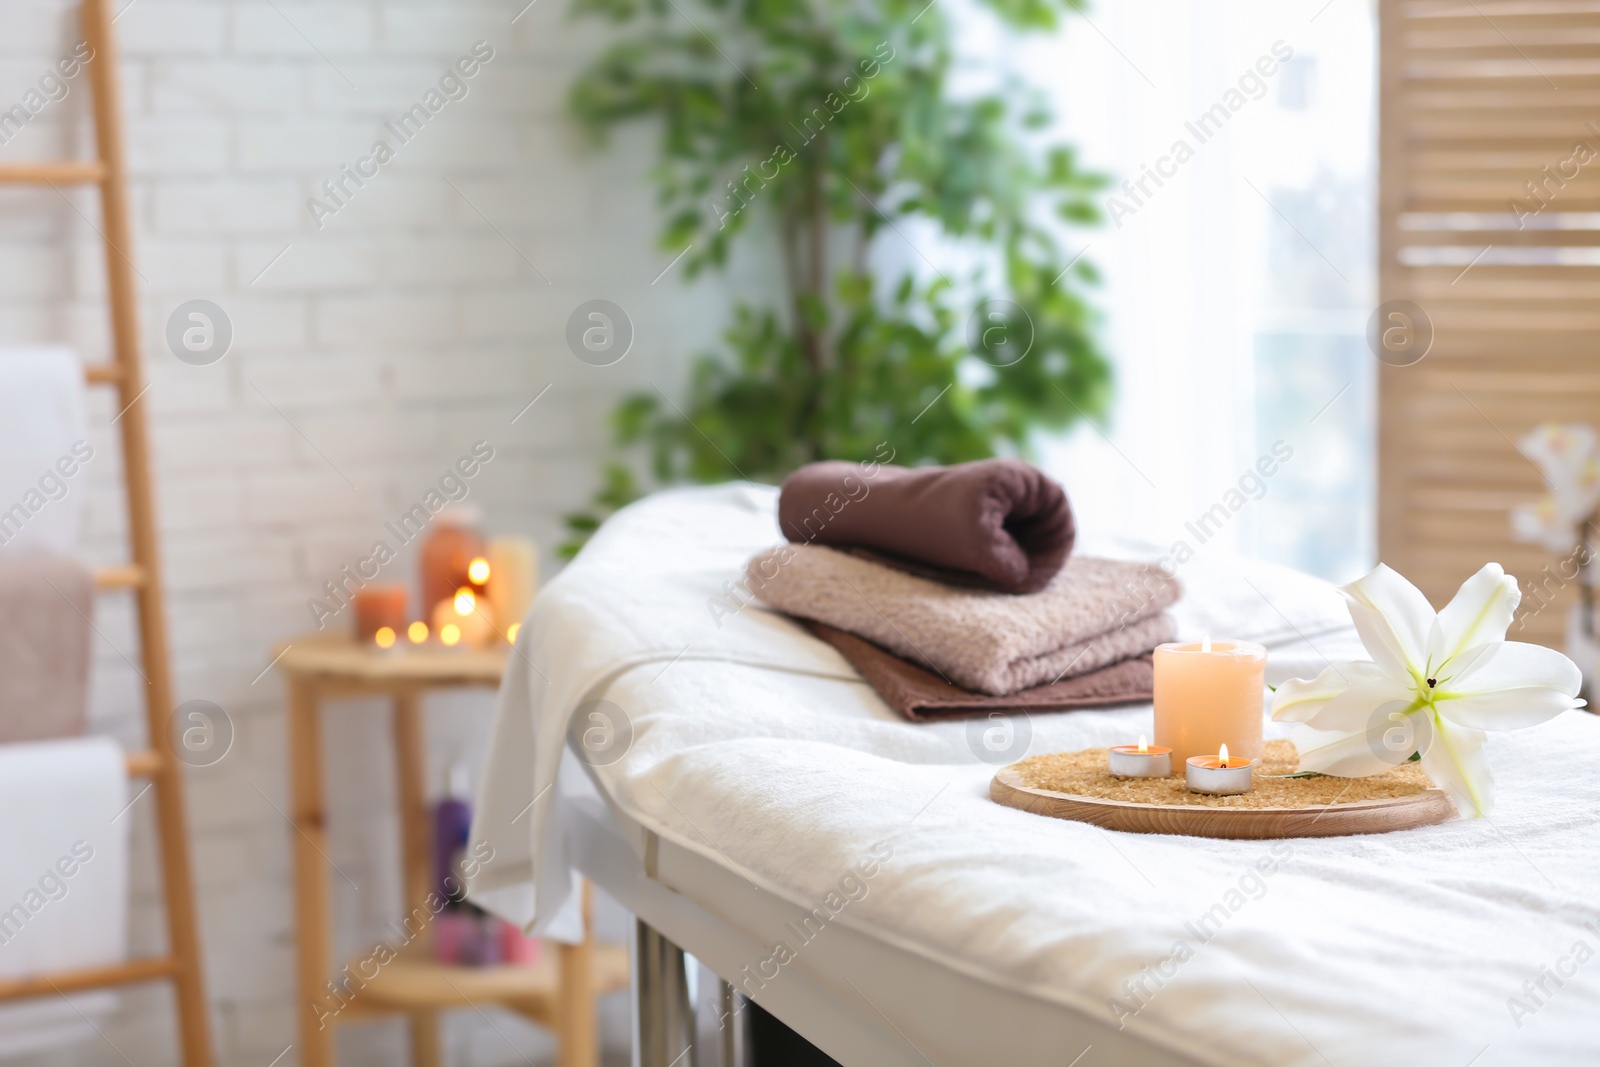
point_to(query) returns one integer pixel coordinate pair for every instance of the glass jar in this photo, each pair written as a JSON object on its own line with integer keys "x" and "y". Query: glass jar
{"x": 453, "y": 543}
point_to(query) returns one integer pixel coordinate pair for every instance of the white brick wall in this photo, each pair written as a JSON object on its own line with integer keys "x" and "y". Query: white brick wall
{"x": 404, "y": 329}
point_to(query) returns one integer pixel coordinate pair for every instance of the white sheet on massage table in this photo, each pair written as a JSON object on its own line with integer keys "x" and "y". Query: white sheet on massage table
{"x": 757, "y": 746}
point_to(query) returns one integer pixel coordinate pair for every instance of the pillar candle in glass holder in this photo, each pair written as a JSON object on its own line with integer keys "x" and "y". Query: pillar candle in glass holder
{"x": 1209, "y": 694}
{"x": 453, "y": 543}
{"x": 464, "y": 620}
{"x": 377, "y": 606}
{"x": 513, "y": 578}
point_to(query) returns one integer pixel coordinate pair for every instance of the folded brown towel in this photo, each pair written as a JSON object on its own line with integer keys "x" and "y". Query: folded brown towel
{"x": 1096, "y": 612}
{"x": 922, "y": 696}
{"x": 993, "y": 524}
{"x": 45, "y": 606}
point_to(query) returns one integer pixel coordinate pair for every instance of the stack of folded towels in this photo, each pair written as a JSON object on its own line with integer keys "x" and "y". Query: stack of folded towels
{"x": 954, "y": 592}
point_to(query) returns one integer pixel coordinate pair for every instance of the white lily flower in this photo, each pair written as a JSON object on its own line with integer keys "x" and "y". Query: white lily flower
{"x": 1436, "y": 683}
{"x": 1568, "y": 455}
{"x": 1562, "y": 451}
{"x": 1542, "y": 523}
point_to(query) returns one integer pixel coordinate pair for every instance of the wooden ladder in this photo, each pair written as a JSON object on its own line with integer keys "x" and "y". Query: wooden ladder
{"x": 182, "y": 963}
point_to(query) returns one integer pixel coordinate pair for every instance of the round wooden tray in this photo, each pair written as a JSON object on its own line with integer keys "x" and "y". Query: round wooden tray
{"x": 1320, "y": 820}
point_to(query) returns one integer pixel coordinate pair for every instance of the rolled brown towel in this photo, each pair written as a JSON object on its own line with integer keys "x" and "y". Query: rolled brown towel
{"x": 994, "y": 524}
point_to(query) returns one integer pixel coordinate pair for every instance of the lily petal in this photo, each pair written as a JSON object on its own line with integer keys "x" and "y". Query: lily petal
{"x": 1462, "y": 666}
{"x": 1343, "y": 755}
{"x": 1547, "y": 522}
{"x": 1356, "y": 710}
{"x": 1519, "y": 685}
{"x": 1456, "y": 763}
{"x": 1559, "y": 449}
{"x": 1301, "y": 699}
{"x": 1478, "y": 614}
{"x": 1393, "y": 618}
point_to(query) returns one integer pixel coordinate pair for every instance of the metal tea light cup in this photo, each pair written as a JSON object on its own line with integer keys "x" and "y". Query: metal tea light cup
{"x": 1139, "y": 761}
{"x": 1218, "y": 775}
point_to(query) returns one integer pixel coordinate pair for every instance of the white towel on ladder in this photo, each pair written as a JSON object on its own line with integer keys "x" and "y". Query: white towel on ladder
{"x": 43, "y": 448}
{"x": 64, "y": 817}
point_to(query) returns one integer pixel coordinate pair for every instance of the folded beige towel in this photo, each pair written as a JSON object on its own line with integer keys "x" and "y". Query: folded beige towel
{"x": 1096, "y": 612}
{"x": 922, "y": 696}
{"x": 45, "y": 606}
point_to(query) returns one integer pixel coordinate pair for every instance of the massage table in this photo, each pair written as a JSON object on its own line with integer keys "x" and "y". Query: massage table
{"x": 732, "y": 782}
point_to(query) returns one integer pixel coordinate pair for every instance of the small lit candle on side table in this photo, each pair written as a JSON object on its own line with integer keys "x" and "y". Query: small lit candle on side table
{"x": 1209, "y": 693}
{"x": 379, "y": 607}
{"x": 1218, "y": 775}
{"x": 1140, "y": 761}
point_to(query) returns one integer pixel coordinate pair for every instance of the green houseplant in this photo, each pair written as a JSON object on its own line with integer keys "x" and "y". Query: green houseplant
{"x": 834, "y": 123}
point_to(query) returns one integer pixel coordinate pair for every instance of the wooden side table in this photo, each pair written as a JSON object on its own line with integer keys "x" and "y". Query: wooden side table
{"x": 558, "y": 993}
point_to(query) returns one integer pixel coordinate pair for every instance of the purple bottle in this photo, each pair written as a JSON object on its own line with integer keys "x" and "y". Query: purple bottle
{"x": 466, "y": 935}
{"x": 452, "y": 826}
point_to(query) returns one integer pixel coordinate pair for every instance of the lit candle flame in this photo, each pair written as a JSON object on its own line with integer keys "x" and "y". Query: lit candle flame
{"x": 417, "y": 632}
{"x": 384, "y": 637}
{"x": 1144, "y": 743}
{"x": 478, "y": 571}
{"x": 1205, "y": 643}
{"x": 512, "y": 631}
{"x": 1222, "y": 757}
{"x": 450, "y": 634}
{"x": 465, "y": 602}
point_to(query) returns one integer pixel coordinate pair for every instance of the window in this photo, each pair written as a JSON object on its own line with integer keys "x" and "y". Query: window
{"x": 1239, "y": 265}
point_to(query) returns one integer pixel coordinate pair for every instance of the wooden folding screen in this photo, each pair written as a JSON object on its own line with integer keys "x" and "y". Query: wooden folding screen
{"x": 1489, "y": 222}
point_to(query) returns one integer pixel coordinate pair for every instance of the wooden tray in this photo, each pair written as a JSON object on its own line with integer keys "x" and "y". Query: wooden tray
{"x": 1321, "y": 820}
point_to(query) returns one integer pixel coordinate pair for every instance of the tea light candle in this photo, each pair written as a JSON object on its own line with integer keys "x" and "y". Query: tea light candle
{"x": 1140, "y": 761}
{"x": 1218, "y": 775}
{"x": 1207, "y": 694}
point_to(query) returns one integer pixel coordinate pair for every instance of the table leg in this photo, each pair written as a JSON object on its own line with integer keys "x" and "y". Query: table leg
{"x": 664, "y": 1020}
{"x": 411, "y": 774}
{"x": 313, "y": 949}
{"x": 729, "y": 1009}
{"x": 576, "y": 1027}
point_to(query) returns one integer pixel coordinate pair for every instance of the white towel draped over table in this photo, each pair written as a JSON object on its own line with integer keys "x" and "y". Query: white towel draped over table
{"x": 759, "y": 748}
{"x": 63, "y": 880}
